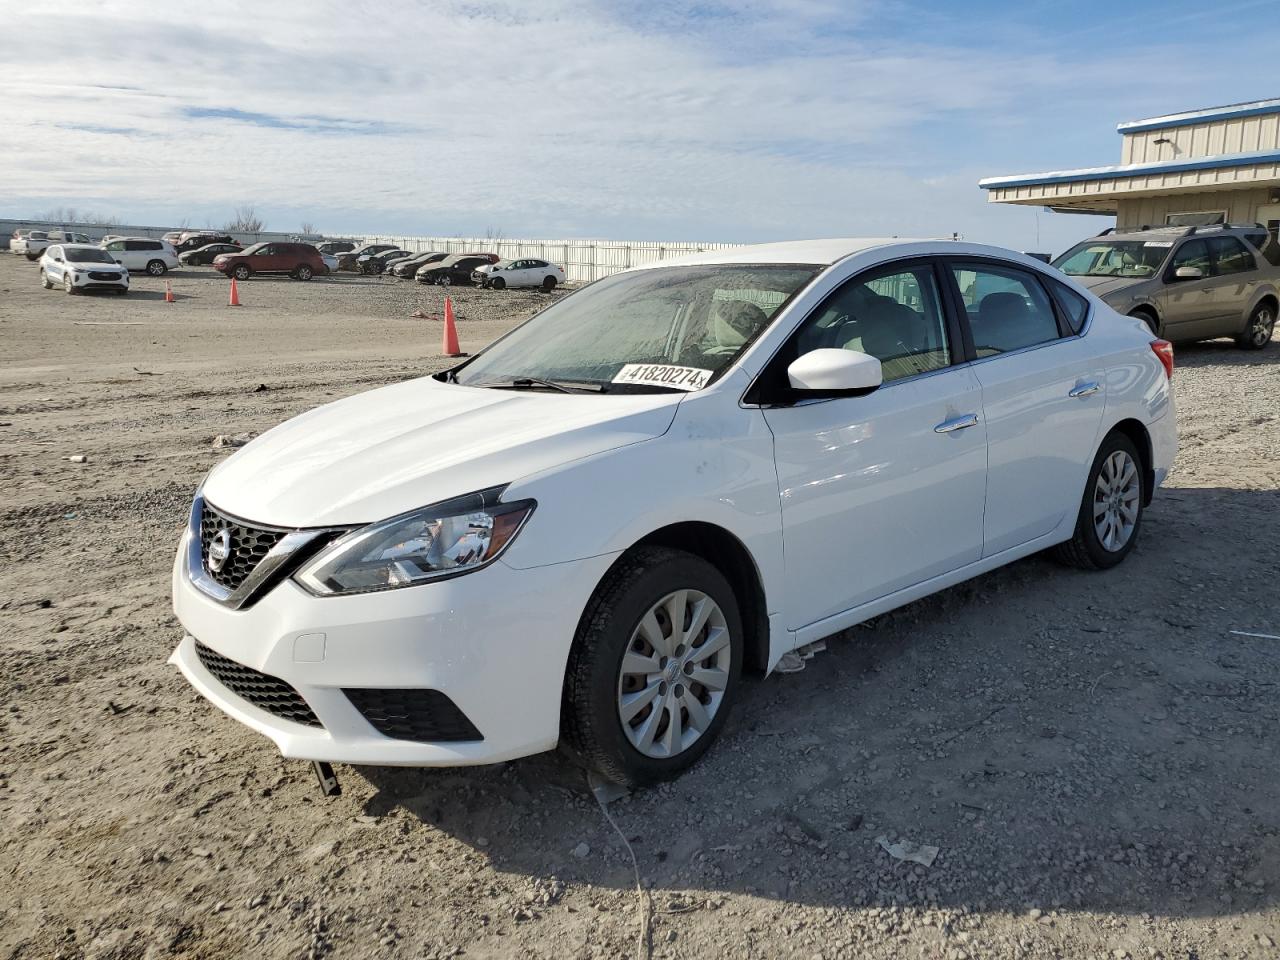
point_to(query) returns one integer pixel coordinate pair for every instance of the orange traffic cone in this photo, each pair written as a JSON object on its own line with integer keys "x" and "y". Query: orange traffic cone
{"x": 235, "y": 297}
{"x": 168, "y": 292}
{"x": 450, "y": 346}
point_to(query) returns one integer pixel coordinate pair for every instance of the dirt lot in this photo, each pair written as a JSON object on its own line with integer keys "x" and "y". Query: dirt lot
{"x": 1095, "y": 755}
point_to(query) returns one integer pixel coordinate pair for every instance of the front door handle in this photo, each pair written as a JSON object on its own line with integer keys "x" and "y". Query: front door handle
{"x": 1085, "y": 390}
{"x": 957, "y": 423}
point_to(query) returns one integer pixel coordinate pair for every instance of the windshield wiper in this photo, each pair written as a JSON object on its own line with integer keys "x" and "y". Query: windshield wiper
{"x": 530, "y": 383}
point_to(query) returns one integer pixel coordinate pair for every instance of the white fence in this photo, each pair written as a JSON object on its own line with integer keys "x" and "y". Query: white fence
{"x": 583, "y": 260}
{"x": 96, "y": 231}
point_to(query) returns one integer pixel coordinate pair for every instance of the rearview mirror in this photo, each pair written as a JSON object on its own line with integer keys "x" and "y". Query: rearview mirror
{"x": 831, "y": 372}
{"x": 1188, "y": 273}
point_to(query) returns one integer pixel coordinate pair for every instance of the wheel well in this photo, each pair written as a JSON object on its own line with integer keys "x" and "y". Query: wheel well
{"x": 1275, "y": 306}
{"x": 1146, "y": 312}
{"x": 1136, "y": 432}
{"x": 726, "y": 553}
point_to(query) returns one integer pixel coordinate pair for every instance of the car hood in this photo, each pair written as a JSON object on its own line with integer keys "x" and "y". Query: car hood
{"x": 111, "y": 267}
{"x": 394, "y": 449}
{"x": 1106, "y": 287}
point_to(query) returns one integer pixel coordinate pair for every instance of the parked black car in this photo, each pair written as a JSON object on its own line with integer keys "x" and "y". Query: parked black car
{"x": 451, "y": 270}
{"x": 347, "y": 261}
{"x": 375, "y": 263}
{"x": 204, "y": 256}
{"x": 194, "y": 241}
{"x": 409, "y": 266}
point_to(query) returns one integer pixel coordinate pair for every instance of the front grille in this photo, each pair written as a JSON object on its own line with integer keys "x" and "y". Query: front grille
{"x": 265, "y": 692}
{"x": 427, "y": 716}
{"x": 103, "y": 275}
{"x": 248, "y": 546}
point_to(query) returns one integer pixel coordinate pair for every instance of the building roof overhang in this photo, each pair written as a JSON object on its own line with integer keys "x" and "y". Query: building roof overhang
{"x": 1122, "y": 171}
{"x": 1254, "y": 108}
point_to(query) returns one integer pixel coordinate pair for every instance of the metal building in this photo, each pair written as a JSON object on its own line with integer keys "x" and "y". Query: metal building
{"x": 1220, "y": 165}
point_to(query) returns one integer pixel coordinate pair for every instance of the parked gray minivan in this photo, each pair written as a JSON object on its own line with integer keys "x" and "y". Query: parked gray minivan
{"x": 1187, "y": 283}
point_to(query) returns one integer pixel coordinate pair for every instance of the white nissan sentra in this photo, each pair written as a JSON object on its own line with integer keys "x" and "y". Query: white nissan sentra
{"x": 585, "y": 533}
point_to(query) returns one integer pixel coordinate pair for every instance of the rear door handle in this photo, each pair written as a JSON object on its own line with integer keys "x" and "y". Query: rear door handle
{"x": 957, "y": 423}
{"x": 1085, "y": 390}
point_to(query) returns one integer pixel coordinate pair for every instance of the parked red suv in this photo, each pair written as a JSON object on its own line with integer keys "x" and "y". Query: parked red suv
{"x": 301, "y": 261}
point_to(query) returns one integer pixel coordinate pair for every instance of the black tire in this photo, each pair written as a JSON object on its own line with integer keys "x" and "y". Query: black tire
{"x": 1149, "y": 318}
{"x": 548, "y": 284}
{"x": 1257, "y": 332}
{"x": 445, "y": 280}
{"x": 498, "y": 283}
{"x": 303, "y": 272}
{"x": 33, "y": 257}
{"x": 44, "y": 280}
{"x": 242, "y": 273}
{"x": 68, "y": 285}
{"x": 122, "y": 291}
{"x": 1085, "y": 549}
{"x": 591, "y": 729}
{"x": 157, "y": 268}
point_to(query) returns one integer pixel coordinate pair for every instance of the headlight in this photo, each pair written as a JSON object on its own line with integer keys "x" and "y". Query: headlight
{"x": 443, "y": 540}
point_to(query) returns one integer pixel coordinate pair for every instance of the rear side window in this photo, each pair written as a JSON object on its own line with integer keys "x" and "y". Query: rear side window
{"x": 142, "y": 245}
{"x": 1008, "y": 309}
{"x": 1230, "y": 256}
{"x": 1074, "y": 307}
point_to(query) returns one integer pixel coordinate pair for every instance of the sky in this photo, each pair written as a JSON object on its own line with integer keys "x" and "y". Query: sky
{"x": 705, "y": 120}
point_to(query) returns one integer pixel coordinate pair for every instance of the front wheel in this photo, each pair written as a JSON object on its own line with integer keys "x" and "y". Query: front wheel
{"x": 445, "y": 280}
{"x": 1149, "y": 318}
{"x": 45, "y": 281}
{"x": 1257, "y": 332}
{"x": 498, "y": 283}
{"x": 68, "y": 285}
{"x": 241, "y": 273}
{"x": 1111, "y": 511}
{"x": 303, "y": 272}
{"x": 654, "y": 667}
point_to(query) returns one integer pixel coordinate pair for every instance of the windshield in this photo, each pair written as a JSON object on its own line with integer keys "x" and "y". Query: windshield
{"x": 253, "y": 249}
{"x": 88, "y": 256}
{"x": 665, "y": 328}
{"x": 1114, "y": 258}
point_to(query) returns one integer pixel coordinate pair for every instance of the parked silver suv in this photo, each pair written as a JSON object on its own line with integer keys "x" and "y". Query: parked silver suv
{"x": 1187, "y": 283}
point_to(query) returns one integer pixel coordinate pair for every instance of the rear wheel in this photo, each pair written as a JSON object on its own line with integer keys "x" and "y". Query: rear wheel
{"x": 44, "y": 280}
{"x": 157, "y": 268}
{"x": 654, "y": 667}
{"x": 1257, "y": 332}
{"x": 1110, "y": 514}
{"x": 33, "y": 257}
{"x": 241, "y": 272}
{"x": 548, "y": 284}
{"x": 303, "y": 272}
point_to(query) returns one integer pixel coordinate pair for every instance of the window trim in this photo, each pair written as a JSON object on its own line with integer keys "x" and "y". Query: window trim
{"x": 757, "y": 392}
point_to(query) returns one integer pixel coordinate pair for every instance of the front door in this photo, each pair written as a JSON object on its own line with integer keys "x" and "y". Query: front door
{"x": 1043, "y": 395}
{"x": 1187, "y": 305}
{"x": 883, "y": 491}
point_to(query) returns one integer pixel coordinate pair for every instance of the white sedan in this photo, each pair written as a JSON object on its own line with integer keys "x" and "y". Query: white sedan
{"x": 587, "y": 531}
{"x": 529, "y": 272}
{"x": 78, "y": 267}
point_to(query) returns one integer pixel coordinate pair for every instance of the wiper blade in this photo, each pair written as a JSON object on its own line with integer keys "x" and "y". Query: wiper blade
{"x": 529, "y": 383}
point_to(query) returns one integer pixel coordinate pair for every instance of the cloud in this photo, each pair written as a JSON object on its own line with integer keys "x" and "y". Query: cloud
{"x": 672, "y": 119}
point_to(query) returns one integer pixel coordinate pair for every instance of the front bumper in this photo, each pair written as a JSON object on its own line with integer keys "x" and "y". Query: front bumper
{"x": 495, "y": 642}
{"x": 85, "y": 282}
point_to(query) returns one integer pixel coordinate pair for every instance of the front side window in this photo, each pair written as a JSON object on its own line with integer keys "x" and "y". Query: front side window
{"x": 1193, "y": 253}
{"x": 1008, "y": 308}
{"x": 1230, "y": 256}
{"x": 116, "y": 245}
{"x": 1114, "y": 258}
{"x": 895, "y": 317}
{"x": 651, "y": 321}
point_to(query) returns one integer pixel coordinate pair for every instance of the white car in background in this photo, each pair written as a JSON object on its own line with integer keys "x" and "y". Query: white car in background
{"x": 331, "y": 264}
{"x": 78, "y": 267}
{"x": 526, "y": 272}
{"x": 143, "y": 254}
{"x": 35, "y": 242}
{"x": 583, "y": 534}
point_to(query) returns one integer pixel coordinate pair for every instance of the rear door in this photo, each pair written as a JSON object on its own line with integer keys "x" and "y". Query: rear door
{"x": 1042, "y": 399}
{"x": 1231, "y": 287}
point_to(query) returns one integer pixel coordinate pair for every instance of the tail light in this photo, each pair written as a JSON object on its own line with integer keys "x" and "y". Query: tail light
{"x": 1163, "y": 349}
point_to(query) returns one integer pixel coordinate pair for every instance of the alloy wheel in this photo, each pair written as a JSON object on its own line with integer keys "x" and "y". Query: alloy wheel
{"x": 674, "y": 673}
{"x": 1263, "y": 324}
{"x": 1115, "y": 501}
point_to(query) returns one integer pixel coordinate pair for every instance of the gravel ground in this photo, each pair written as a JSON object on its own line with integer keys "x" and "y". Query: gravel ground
{"x": 1094, "y": 754}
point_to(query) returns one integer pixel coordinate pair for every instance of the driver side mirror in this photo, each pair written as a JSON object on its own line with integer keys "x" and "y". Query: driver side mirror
{"x": 831, "y": 372}
{"x": 1188, "y": 273}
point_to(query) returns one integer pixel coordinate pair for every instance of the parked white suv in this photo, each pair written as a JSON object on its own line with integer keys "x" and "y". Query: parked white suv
{"x": 583, "y": 534}
{"x": 142, "y": 253}
{"x": 79, "y": 267}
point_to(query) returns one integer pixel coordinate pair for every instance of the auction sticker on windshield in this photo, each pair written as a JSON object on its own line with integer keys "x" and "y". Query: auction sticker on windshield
{"x": 663, "y": 375}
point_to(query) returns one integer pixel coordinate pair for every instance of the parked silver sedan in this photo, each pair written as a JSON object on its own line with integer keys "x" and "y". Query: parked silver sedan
{"x": 1186, "y": 283}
